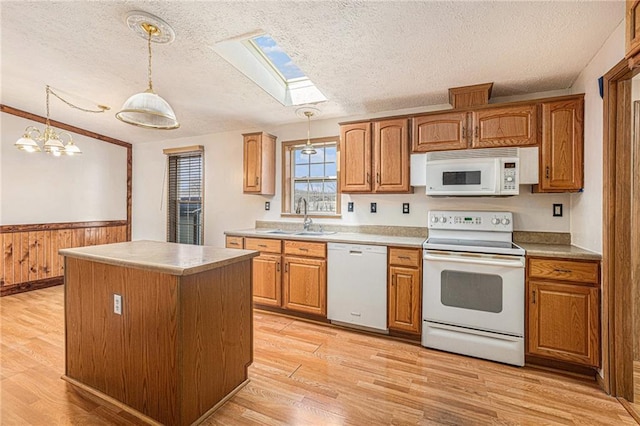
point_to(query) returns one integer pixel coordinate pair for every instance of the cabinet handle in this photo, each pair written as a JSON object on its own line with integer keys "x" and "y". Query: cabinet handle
{"x": 476, "y": 135}
{"x": 547, "y": 172}
{"x": 534, "y": 297}
{"x": 233, "y": 244}
{"x": 368, "y": 178}
{"x": 278, "y": 266}
{"x": 464, "y": 132}
{"x": 378, "y": 177}
{"x": 286, "y": 266}
{"x": 257, "y": 180}
{"x": 262, "y": 245}
{"x": 404, "y": 257}
{"x": 303, "y": 249}
{"x": 562, "y": 271}
{"x": 393, "y": 280}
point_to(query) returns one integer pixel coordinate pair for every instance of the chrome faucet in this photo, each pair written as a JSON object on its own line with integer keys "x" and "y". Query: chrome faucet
{"x": 307, "y": 220}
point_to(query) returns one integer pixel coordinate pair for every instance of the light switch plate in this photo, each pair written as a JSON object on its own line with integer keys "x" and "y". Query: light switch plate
{"x": 405, "y": 208}
{"x": 350, "y": 206}
{"x": 267, "y": 205}
{"x": 557, "y": 210}
{"x": 374, "y": 207}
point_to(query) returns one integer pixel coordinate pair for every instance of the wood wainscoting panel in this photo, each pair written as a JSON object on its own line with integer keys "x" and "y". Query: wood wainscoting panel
{"x": 30, "y": 258}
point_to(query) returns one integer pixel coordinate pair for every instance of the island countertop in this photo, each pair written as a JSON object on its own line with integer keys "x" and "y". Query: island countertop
{"x": 170, "y": 258}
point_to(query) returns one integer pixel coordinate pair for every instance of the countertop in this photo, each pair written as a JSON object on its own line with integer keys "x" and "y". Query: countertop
{"x": 169, "y": 258}
{"x": 532, "y": 249}
{"x": 338, "y": 237}
{"x": 559, "y": 250}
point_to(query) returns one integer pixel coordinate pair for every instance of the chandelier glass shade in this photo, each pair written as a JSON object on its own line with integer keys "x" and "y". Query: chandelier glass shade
{"x": 50, "y": 140}
{"x": 147, "y": 109}
{"x": 308, "y": 149}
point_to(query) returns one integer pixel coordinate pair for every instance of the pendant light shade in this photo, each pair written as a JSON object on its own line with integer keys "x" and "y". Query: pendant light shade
{"x": 308, "y": 149}
{"x": 148, "y": 109}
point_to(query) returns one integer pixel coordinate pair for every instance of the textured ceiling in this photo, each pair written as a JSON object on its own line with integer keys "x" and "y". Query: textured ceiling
{"x": 366, "y": 57}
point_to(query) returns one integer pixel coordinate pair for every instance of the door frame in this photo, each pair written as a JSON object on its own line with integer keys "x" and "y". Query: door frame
{"x": 621, "y": 224}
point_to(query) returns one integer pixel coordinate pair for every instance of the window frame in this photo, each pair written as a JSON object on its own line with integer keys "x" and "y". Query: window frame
{"x": 189, "y": 151}
{"x": 287, "y": 177}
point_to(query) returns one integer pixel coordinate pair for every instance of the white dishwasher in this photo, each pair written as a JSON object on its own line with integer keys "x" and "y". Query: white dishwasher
{"x": 357, "y": 285}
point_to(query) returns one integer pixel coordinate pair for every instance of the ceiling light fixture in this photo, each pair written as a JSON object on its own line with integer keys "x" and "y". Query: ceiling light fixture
{"x": 308, "y": 149}
{"x": 147, "y": 109}
{"x": 51, "y": 140}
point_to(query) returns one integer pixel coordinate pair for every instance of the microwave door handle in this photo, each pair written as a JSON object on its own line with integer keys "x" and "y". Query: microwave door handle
{"x": 475, "y": 261}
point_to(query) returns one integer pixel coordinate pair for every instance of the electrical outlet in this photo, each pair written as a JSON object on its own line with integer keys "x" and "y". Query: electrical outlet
{"x": 117, "y": 304}
{"x": 374, "y": 207}
{"x": 557, "y": 210}
{"x": 267, "y": 205}
{"x": 350, "y": 206}
{"x": 405, "y": 208}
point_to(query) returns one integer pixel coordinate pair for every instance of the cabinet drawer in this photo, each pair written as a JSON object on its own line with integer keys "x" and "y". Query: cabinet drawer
{"x": 305, "y": 248}
{"x": 234, "y": 242}
{"x": 405, "y": 257}
{"x": 263, "y": 244}
{"x": 564, "y": 270}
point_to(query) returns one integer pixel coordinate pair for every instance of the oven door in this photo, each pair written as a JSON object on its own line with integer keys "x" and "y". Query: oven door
{"x": 475, "y": 291}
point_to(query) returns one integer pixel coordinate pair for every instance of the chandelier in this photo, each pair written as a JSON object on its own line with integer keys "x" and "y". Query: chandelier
{"x": 148, "y": 109}
{"x": 53, "y": 142}
{"x": 308, "y": 149}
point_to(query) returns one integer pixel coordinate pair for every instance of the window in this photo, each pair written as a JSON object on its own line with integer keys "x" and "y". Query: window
{"x": 185, "y": 195}
{"x": 312, "y": 177}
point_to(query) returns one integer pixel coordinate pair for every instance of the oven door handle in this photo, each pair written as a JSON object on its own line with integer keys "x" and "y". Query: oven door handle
{"x": 513, "y": 263}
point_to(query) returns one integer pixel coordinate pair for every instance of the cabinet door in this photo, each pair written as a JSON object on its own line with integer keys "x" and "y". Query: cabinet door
{"x": 305, "y": 285}
{"x": 563, "y": 322}
{"x": 440, "y": 132}
{"x": 252, "y": 163}
{"x": 266, "y": 280}
{"x": 507, "y": 126}
{"x": 632, "y": 37}
{"x": 391, "y": 155}
{"x": 561, "y": 156}
{"x": 234, "y": 242}
{"x": 404, "y": 299}
{"x": 355, "y": 157}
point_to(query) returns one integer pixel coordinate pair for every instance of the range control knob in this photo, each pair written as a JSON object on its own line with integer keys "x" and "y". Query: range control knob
{"x": 505, "y": 221}
{"x": 495, "y": 221}
{"x": 509, "y": 179}
{"x": 443, "y": 219}
{"x": 434, "y": 219}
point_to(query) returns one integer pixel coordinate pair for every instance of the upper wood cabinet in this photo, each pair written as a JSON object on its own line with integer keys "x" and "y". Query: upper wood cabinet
{"x": 440, "y": 132}
{"x": 259, "y": 163}
{"x": 563, "y": 310}
{"x": 504, "y": 126}
{"x": 378, "y": 164}
{"x": 355, "y": 157}
{"x": 391, "y": 155}
{"x": 561, "y": 149}
{"x": 632, "y": 37}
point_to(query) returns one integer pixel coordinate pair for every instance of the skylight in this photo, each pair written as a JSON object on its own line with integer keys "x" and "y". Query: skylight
{"x": 278, "y": 58}
{"x": 259, "y": 57}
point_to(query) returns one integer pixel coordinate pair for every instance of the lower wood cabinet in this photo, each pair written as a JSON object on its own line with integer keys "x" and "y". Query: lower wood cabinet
{"x": 266, "y": 279}
{"x": 564, "y": 310}
{"x": 305, "y": 285}
{"x": 405, "y": 290}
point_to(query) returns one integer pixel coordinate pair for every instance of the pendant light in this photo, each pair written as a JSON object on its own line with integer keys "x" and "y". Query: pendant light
{"x": 147, "y": 109}
{"x": 308, "y": 149}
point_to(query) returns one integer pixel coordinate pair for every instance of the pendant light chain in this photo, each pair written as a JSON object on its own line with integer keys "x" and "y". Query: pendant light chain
{"x": 102, "y": 108}
{"x": 149, "y": 31}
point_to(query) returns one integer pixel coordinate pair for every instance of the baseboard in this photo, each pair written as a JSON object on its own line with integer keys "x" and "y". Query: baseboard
{"x": 561, "y": 367}
{"x": 31, "y": 285}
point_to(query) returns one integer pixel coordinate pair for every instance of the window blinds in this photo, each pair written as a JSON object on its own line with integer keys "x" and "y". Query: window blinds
{"x": 185, "y": 194}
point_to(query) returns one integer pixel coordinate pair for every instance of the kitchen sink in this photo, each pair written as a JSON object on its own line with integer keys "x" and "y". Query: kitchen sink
{"x": 286, "y": 232}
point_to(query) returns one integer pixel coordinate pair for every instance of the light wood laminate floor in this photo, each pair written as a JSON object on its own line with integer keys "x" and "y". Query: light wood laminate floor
{"x": 305, "y": 374}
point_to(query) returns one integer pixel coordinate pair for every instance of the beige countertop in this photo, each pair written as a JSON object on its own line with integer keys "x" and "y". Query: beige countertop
{"x": 559, "y": 250}
{"x": 169, "y": 258}
{"x": 337, "y": 237}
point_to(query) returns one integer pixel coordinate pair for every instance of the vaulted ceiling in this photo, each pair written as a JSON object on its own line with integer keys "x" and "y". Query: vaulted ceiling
{"x": 365, "y": 56}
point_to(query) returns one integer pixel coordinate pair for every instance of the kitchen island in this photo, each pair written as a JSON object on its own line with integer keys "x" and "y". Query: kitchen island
{"x": 162, "y": 330}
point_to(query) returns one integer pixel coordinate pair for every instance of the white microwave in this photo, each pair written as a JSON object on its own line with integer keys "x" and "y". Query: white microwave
{"x": 477, "y": 176}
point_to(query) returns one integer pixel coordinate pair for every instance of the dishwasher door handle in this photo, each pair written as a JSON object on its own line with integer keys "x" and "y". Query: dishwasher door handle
{"x": 355, "y": 252}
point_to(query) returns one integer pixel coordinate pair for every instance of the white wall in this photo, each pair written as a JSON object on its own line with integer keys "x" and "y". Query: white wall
{"x": 227, "y": 208}
{"x": 40, "y": 188}
{"x": 586, "y": 207}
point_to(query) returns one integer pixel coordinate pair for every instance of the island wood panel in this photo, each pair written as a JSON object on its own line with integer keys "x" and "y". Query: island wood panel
{"x": 216, "y": 318}
{"x": 123, "y": 355}
{"x": 30, "y": 257}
